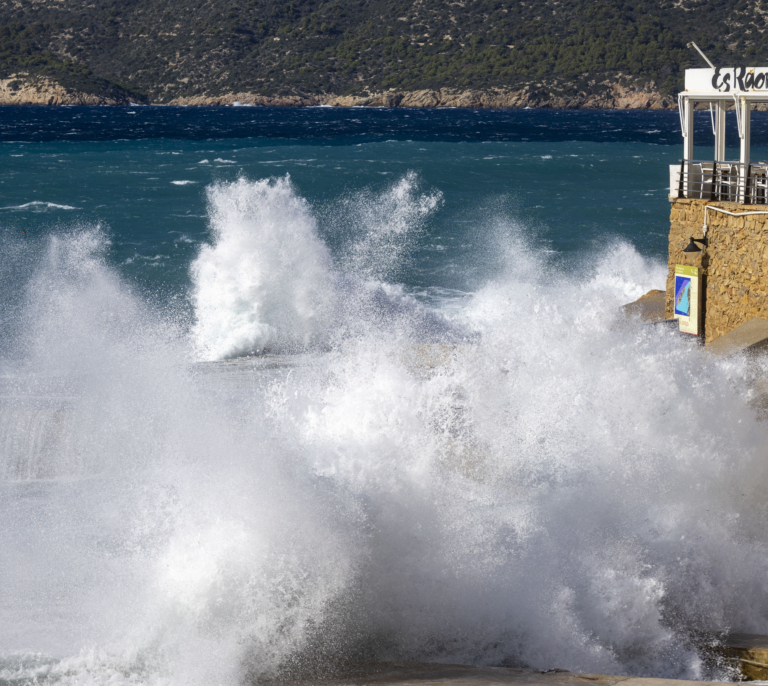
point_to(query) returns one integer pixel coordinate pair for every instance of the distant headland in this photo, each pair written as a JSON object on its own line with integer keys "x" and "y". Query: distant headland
{"x": 563, "y": 54}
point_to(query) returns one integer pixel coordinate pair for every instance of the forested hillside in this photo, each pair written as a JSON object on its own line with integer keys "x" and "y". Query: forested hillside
{"x": 157, "y": 50}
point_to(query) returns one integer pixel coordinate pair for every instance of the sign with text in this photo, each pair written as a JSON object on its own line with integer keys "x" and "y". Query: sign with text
{"x": 688, "y": 298}
{"x": 727, "y": 80}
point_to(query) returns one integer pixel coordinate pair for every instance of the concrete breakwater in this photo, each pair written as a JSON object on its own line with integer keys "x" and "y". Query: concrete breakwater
{"x": 396, "y": 674}
{"x": 745, "y": 654}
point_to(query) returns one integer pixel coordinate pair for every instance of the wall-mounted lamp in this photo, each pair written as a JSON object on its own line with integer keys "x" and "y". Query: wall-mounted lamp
{"x": 692, "y": 247}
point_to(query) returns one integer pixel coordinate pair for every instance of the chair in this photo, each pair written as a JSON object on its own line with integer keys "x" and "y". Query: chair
{"x": 707, "y": 179}
{"x": 700, "y": 180}
{"x": 728, "y": 182}
{"x": 694, "y": 180}
{"x": 759, "y": 178}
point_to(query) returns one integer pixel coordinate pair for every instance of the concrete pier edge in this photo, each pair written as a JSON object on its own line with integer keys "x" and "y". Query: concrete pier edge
{"x": 430, "y": 674}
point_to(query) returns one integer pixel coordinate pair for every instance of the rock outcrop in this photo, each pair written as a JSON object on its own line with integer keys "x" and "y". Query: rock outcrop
{"x": 648, "y": 307}
{"x": 21, "y": 90}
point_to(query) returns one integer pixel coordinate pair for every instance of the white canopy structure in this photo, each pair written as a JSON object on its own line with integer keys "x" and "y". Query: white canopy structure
{"x": 718, "y": 178}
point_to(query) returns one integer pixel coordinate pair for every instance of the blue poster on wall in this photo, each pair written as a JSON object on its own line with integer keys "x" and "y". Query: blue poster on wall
{"x": 682, "y": 295}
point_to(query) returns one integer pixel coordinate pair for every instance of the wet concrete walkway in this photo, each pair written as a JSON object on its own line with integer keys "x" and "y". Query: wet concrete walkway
{"x": 460, "y": 675}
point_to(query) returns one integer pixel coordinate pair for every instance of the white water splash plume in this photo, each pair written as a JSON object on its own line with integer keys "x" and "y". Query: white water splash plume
{"x": 571, "y": 490}
{"x": 381, "y": 228}
{"x": 267, "y": 282}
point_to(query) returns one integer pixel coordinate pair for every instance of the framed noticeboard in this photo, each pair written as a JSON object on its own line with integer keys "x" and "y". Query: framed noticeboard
{"x": 688, "y": 298}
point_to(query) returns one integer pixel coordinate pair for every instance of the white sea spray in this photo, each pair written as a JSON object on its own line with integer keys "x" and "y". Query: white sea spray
{"x": 266, "y": 280}
{"x": 533, "y": 480}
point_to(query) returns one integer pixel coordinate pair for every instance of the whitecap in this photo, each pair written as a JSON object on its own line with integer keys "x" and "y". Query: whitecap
{"x": 182, "y": 183}
{"x": 39, "y": 206}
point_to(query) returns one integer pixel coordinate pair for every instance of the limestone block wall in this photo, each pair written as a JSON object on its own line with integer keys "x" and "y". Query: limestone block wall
{"x": 735, "y": 263}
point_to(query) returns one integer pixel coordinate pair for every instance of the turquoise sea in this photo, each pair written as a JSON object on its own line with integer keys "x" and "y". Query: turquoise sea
{"x": 292, "y": 391}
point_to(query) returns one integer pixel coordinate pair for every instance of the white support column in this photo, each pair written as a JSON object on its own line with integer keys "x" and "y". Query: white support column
{"x": 746, "y": 112}
{"x": 686, "y": 122}
{"x": 720, "y": 131}
{"x": 688, "y": 133}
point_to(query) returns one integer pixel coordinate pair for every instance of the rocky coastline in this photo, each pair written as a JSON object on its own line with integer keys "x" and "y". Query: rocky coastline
{"x": 45, "y": 91}
{"x": 614, "y": 96}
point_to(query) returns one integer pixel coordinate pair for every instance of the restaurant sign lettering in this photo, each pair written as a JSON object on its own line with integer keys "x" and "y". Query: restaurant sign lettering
{"x": 727, "y": 79}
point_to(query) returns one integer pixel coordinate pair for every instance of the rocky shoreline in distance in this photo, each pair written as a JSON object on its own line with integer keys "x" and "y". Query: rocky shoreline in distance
{"x": 613, "y": 96}
{"x": 45, "y": 91}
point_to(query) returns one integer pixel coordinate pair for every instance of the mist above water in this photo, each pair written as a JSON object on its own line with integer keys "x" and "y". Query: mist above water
{"x": 526, "y": 478}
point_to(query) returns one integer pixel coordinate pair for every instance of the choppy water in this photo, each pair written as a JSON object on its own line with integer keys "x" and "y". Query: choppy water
{"x": 284, "y": 391}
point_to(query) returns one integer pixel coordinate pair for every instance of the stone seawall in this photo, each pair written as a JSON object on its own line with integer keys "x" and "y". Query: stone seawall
{"x": 735, "y": 263}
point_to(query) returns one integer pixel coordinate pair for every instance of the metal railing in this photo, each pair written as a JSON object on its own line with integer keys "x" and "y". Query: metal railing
{"x": 725, "y": 181}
